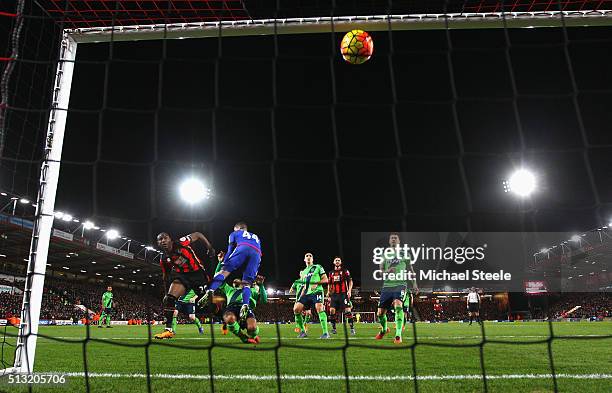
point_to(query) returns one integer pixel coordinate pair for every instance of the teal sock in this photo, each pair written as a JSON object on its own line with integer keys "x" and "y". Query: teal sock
{"x": 253, "y": 333}
{"x": 383, "y": 323}
{"x": 235, "y": 329}
{"x": 323, "y": 321}
{"x": 399, "y": 320}
{"x": 299, "y": 320}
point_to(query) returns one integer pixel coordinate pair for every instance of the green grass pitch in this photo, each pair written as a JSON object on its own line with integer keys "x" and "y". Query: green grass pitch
{"x": 446, "y": 359}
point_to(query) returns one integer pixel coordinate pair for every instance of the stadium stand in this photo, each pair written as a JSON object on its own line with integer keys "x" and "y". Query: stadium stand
{"x": 62, "y": 294}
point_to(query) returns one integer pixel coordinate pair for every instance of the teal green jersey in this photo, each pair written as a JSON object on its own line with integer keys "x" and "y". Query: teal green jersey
{"x": 395, "y": 265}
{"x": 234, "y": 295}
{"x": 407, "y": 299}
{"x": 186, "y": 298}
{"x": 107, "y": 300}
{"x": 218, "y": 268}
{"x": 297, "y": 286}
{"x": 312, "y": 274}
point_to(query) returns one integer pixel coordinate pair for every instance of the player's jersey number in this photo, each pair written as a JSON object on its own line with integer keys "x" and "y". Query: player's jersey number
{"x": 250, "y": 236}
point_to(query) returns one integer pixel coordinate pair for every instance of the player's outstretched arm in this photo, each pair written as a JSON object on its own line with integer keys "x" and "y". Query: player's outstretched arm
{"x": 219, "y": 267}
{"x": 195, "y": 236}
{"x": 263, "y": 294}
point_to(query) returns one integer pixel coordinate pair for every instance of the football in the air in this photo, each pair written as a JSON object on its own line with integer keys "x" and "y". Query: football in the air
{"x": 357, "y": 47}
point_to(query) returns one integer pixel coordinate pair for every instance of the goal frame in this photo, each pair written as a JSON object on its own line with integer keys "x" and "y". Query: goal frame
{"x": 70, "y": 39}
{"x": 399, "y": 22}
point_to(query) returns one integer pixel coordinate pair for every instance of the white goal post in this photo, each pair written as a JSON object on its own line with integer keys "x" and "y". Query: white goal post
{"x": 50, "y": 168}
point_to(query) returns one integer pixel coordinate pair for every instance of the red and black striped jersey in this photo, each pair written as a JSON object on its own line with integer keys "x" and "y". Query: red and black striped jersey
{"x": 338, "y": 280}
{"x": 437, "y": 307}
{"x": 182, "y": 258}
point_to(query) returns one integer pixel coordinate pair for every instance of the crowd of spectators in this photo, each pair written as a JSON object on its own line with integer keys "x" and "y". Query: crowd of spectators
{"x": 60, "y": 297}
{"x": 455, "y": 309}
{"x": 592, "y": 305}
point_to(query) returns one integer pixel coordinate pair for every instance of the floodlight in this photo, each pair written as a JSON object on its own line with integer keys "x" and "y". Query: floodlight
{"x": 112, "y": 234}
{"x": 522, "y": 183}
{"x": 193, "y": 191}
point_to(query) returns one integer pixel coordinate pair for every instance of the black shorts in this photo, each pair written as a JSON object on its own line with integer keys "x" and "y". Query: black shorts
{"x": 197, "y": 280}
{"x": 185, "y": 307}
{"x": 108, "y": 310}
{"x": 311, "y": 300}
{"x": 473, "y": 307}
{"x": 339, "y": 301}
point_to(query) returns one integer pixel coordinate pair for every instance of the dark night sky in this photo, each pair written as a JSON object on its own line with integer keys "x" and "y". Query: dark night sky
{"x": 133, "y": 136}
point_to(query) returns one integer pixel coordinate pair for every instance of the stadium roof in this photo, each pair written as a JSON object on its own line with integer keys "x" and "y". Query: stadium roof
{"x": 70, "y": 253}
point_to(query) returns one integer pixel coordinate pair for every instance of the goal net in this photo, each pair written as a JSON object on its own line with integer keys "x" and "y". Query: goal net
{"x": 106, "y": 106}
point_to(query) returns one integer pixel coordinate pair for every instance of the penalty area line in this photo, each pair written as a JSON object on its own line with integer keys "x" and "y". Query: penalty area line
{"x": 290, "y": 377}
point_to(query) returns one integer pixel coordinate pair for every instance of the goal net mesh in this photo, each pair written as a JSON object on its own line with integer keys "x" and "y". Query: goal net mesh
{"x": 270, "y": 121}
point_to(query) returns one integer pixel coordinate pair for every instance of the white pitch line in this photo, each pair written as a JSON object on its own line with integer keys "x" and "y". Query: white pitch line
{"x": 290, "y": 377}
{"x": 337, "y": 338}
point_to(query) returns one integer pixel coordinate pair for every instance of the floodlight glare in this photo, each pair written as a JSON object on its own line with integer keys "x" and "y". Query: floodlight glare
{"x": 66, "y": 217}
{"x": 270, "y": 291}
{"x": 193, "y": 191}
{"x": 575, "y": 238}
{"x": 24, "y": 201}
{"x": 522, "y": 183}
{"x": 544, "y": 250}
{"x": 59, "y": 215}
{"x": 88, "y": 225}
{"x": 112, "y": 234}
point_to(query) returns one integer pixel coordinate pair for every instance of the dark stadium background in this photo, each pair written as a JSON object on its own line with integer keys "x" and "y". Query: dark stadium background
{"x": 126, "y": 148}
